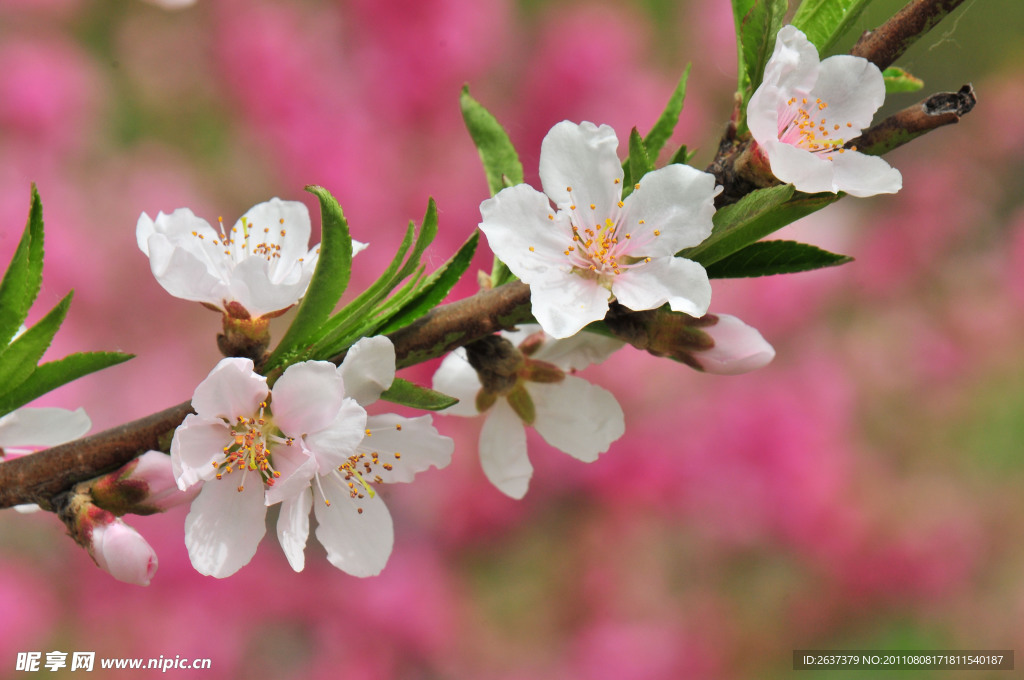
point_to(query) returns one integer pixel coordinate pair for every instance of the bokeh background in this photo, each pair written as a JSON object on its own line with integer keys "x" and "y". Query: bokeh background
{"x": 863, "y": 491}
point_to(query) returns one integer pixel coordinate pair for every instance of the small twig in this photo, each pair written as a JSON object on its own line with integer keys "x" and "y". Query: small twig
{"x": 888, "y": 42}
{"x": 943, "y": 108}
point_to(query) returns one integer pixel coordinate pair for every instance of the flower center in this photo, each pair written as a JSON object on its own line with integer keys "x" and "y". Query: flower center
{"x": 602, "y": 248}
{"x": 364, "y": 468}
{"x": 250, "y": 449}
{"x": 804, "y": 124}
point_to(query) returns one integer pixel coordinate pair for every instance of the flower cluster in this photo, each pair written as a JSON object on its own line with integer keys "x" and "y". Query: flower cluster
{"x": 309, "y": 437}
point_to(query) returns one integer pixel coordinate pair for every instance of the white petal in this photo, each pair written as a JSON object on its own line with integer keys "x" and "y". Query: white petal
{"x": 232, "y": 389}
{"x": 357, "y": 543}
{"x": 42, "y": 426}
{"x": 577, "y": 352}
{"x": 196, "y": 444}
{"x": 678, "y": 201}
{"x": 738, "y": 348}
{"x": 335, "y": 443}
{"x": 292, "y": 217}
{"x": 144, "y": 228}
{"x": 306, "y": 399}
{"x": 224, "y": 526}
{"x": 415, "y": 439}
{"x": 503, "y": 451}
{"x": 576, "y": 417}
{"x": 186, "y": 274}
{"x": 804, "y": 170}
{"x": 456, "y": 378}
{"x": 763, "y": 113}
{"x": 525, "y": 232}
{"x": 564, "y": 303}
{"x": 297, "y": 466}
{"x": 794, "y": 63}
{"x": 853, "y": 89}
{"x": 293, "y": 528}
{"x": 368, "y": 369}
{"x": 254, "y": 287}
{"x": 585, "y": 158}
{"x": 682, "y": 283}
{"x": 861, "y": 175}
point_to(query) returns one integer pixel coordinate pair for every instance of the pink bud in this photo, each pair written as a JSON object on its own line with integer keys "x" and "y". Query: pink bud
{"x": 144, "y": 486}
{"x": 738, "y": 348}
{"x": 120, "y": 550}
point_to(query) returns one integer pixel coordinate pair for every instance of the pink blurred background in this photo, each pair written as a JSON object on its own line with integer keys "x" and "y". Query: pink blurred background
{"x": 863, "y": 491}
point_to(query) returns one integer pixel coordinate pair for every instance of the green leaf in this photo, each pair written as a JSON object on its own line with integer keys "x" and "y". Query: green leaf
{"x": 18, "y": 360}
{"x": 638, "y": 164}
{"x": 683, "y": 155}
{"x": 666, "y": 123}
{"x": 53, "y": 374}
{"x": 410, "y": 394}
{"x": 24, "y": 275}
{"x": 766, "y": 258}
{"x": 824, "y": 21}
{"x": 435, "y": 287}
{"x": 330, "y": 278}
{"x": 492, "y": 142}
{"x": 899, "y": 80}
{"x": 757, "y": 23}
{"x": 427, "y": 232}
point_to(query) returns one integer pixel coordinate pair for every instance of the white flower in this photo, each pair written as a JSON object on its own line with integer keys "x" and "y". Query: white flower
{"x": 805, "y": 111}
{"x": 25, "y": 429}
{"x": 262, "y": 263}
{"x": 569, "y": 413}
{"x": 353, "y": 523}
{"x": 738, "y": 348}
{"x": 597, "y": 245}
{"x": 239, "y": 449}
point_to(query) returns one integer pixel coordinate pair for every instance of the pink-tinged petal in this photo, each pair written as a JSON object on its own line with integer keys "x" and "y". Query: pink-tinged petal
{"x": 456, "y": 378}
{"x": 563, "y": 305}
{"x": 804, "y": 170}
{"x": 186, "y": 274}
{"x": 224, "y": 526}
{"x": 154, "y": 471}
{"x": 306, "y": 398}
{"x": 197, "y": 444}
{"x": 293, "y": 528}
{"x": 576, "y": 417}
{"x": 358, "y": 543}
{"x": 794, "y": 62}
{"x": 418, "y": 444}
{"x": 503, "y": 451}
{"x": 584, "y": 158}
{"x": 861, "y": 175}
{"x": 570, "y": 354}
{"x": 42, "y": 426}
{"x": 297, "y": 466}
{"x": 853, "y": 89}
{"x": 678, "y": 202}
{"x": 525, "y": 232}
{"x": 738, "y": 348}
{"x": 122, "y": 552}
{"x": 333, "y": 445}
{"x": 254, "y": 287}
{"x": 291, "y": 217}
{"x": 232, "y": 389}
{"x": 763, "y": 111}
{"x": 368, "y": 369}
{"x": 682, "y": 283}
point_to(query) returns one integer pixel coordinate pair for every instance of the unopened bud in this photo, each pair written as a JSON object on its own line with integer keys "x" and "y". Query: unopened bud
{"x": 144, "y": 486}
{"x": 738, "y": 348}
{"x": 496, "y": 361}
{"x": 114, "y": 546}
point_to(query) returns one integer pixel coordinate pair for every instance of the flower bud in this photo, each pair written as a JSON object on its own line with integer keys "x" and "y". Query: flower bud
{"x": 142, "y": 487}
{"x": 120, "y": 550}
{"x": 738, "y": 348}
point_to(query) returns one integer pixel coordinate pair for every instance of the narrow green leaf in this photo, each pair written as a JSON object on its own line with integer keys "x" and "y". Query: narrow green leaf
{"x": 19, "y": 359}
{"x": 426, "y": 236}
{"x": 757, "y": 23}
{"x": 435, "y": 287}
{"x": 410, "y": 394}
{"x": 683, "y": 155}
{"x": 899, "y": 80}
{"x": 666, "y": 123}
{"x": 639, "y": 163}
{"x": 330, "y": 278}
{"x": 824, "y": 21}
{"x": 766, "y": 258}
{"x": 492, "y": 142}
{"x": 24, "y": 275}
{"x": 53, "y": 374}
